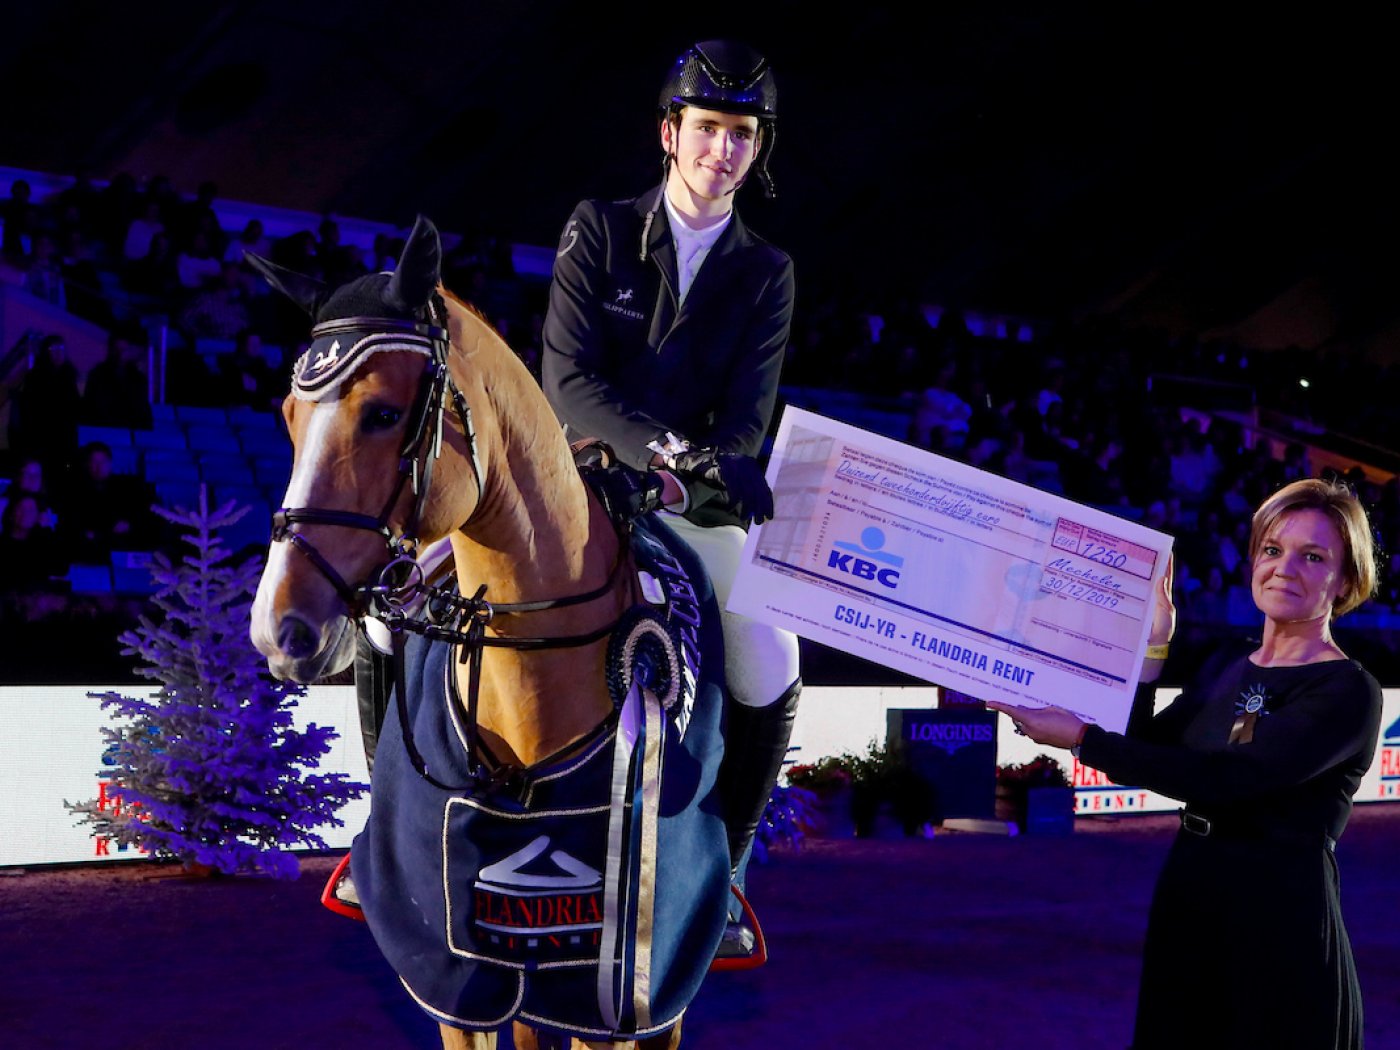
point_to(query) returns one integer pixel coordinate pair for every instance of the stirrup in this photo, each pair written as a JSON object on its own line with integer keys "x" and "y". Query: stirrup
{"x": 743, "y": 946}
{"x": 339, "y": 895}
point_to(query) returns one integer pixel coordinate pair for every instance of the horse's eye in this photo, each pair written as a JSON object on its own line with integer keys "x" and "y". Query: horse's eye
{"x": 379, "y": 417}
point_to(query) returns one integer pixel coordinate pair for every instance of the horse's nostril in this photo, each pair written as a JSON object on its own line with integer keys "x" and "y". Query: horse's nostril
{"x": 296, "y": 638}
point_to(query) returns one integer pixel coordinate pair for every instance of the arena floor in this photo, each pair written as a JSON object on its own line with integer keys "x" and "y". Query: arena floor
{"x": 961, "y": 942}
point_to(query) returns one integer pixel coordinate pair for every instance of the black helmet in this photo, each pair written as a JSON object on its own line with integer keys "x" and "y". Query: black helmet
{"x": 722, "y": 75}
{"x": 729, "y": 77}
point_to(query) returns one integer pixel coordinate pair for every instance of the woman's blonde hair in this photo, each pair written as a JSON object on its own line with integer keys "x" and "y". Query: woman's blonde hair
{"x": 1341, "y": 506}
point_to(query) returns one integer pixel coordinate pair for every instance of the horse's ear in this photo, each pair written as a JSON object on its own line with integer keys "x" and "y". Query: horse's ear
{"x": 306, "y": 292}
{"x": 419, "y": 270}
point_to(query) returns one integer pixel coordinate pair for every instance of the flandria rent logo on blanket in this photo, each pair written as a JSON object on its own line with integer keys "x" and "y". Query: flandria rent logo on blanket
{"x": 539, "y": 903}
{"x": 1389, "y": 761}
{"x": 867, "y": 560}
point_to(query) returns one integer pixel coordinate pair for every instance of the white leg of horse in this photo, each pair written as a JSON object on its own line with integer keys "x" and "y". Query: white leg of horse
{"x": 527, "y": 1038}
{"x": 667, "y": 1040}
{"x": 461, "y": 1039}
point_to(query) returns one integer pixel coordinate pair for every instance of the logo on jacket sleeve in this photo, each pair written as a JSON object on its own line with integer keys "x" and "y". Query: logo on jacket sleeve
{"x": 569, "y": 238}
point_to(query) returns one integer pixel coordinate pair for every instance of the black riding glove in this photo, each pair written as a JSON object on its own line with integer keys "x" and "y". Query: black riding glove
{"x": 624, "y": 493}
{"x": 739, "y": 476}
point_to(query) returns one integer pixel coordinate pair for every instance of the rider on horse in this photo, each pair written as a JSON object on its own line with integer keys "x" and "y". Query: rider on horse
{"x": 668, "y": 322}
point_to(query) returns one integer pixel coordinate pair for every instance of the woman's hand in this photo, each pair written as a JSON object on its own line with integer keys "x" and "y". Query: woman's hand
{"x": 1052, "y": 725}
{"x": 1163, "y": 609}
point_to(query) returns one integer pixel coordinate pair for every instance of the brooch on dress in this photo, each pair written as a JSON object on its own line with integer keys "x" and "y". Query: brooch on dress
{"x": 1253, "y": 703}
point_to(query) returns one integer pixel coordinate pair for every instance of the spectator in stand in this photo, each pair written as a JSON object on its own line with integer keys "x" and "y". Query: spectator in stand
{"x": 246, "y": 376}
{"x": 30, "y": 554}
{"x": 189, "y": 379}
{"x": 81, "y": 284}
{"x": 154, "y": 275}
{"x": 103, "y": 512}
{"x": 941, "y": 418}
{"x": 29, "y": 481}
{"x": 115, "y": 394}
{"x": 297, "y": 252}
{"x": 1052, "y": 392}
{"x": 220, "y": 310}
{"x": 1211, "y": 604}
{"x": 43, "y": 275}
{"x": 117, "y": 205}
{"x": 386, "y": 253}
{"x": 1094, "y": 477}
{"x": 530, "y": 348}
{"x": 198, "y": 216}
{"x": 143, "y": 229}
{"x": 1295, "y": 462}
{"x": 80, "y": 203}
{"x": 44, "y": 414}
{"x": 339, "y": 262}
{"x": 196, "y": 265}
{"x": 21, "y": 221}
{"x": 252, "y": 239}
{"x": 1193, "y": 470}
{"x": 1234, "y": 501}
{"x": 1231, "y": 545}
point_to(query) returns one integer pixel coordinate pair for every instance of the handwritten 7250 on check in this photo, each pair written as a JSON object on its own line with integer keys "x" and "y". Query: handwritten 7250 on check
{"x": 950, "y": 573}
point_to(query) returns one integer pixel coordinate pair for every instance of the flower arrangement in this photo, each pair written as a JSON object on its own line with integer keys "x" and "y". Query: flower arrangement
{"x": 1041, "y": 771}
{"x": 1016, "y": 804}
{"x": 875, "y": 778}
{"x": 790, "y": 812}
{"x": 825, "y": 776}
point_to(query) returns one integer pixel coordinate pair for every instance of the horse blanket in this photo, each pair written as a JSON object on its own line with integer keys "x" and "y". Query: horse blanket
{"x": 587, "y": 897}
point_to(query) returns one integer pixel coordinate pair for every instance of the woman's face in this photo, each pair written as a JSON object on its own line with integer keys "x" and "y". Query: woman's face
{"x": 1300, "y": 568}
{"x": 25, "y": 516}
{"x": 31, "y": 477}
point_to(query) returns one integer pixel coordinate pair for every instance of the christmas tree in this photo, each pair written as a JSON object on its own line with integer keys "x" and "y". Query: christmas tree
{"x": 210, "y": 769}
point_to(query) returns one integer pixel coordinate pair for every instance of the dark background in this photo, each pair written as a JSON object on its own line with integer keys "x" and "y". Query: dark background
{"x": 1210, "y": 171}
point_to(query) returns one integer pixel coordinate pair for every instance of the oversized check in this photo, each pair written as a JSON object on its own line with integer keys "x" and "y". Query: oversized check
{"x": 935, "y": 568}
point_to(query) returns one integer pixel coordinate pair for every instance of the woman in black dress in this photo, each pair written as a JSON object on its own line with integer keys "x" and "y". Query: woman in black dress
{"x": 1245, "y": 942}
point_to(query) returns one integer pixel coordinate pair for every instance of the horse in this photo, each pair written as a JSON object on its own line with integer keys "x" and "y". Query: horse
{"x": 413, "y": 421}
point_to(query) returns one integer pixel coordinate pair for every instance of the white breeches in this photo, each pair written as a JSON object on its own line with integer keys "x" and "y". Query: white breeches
{"x": 760, "y": 662}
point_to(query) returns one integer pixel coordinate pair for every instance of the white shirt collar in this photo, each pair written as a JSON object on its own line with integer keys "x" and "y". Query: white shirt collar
{"x": 692, "y": 246}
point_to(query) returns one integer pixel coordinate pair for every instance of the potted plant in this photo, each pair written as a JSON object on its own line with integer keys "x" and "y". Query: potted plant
{"x": 1036, "y": 796}
{"x": 828, "y": 781}
{"x": 882, "y": 783}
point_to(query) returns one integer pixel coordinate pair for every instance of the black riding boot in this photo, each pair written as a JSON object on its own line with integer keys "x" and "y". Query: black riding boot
{"x": 755, "y": 745}
{"x": 374, "y": 679}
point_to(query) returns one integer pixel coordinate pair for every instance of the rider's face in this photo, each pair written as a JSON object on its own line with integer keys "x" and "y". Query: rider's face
{"x": 711, "y": 151}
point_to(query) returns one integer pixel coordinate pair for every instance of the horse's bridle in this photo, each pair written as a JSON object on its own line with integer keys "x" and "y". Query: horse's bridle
{"x": 395, "y": 580}
{"x": 389, "y": 589}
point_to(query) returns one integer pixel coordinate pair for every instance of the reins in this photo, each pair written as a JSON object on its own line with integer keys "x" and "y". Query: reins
{"x": 462, "y": 622}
